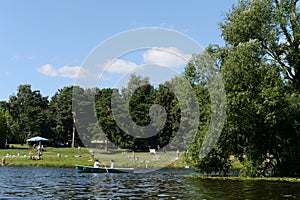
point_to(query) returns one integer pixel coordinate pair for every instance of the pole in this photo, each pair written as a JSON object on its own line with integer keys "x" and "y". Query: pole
{"x": 73, "y": 133}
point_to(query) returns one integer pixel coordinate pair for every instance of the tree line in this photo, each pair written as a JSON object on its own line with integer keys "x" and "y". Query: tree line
{"x": 260, "y": 68}
{"x": 28, "y": 113}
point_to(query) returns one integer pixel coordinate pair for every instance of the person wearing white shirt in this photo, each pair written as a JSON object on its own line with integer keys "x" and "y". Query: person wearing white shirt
{"x": 96, "y": 163}
{"x": 112, "y": 163}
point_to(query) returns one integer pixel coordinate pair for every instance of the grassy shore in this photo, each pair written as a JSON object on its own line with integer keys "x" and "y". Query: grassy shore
{"x": 234, "y": 178}
{"x": 69, "y": 157}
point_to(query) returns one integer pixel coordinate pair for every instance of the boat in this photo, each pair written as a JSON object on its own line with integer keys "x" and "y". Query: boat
{"x": 89, "y": 169}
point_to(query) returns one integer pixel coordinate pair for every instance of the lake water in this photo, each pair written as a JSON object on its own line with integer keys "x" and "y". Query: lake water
{"x": 66, "y": 183}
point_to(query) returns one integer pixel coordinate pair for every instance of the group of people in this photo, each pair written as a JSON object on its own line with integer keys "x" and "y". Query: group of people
{"x": 33, "y": 157}
{"x": 97, "y": 164}
{"x": 39, "y": 149}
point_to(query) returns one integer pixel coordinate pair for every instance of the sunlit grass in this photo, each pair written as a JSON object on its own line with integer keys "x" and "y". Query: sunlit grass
{"x": 235, "y": 178}
{"x": 69, "y": 157}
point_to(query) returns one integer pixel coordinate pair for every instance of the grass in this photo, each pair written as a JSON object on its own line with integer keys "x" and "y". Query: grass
{"x": 69, "y": 157}
{"x": 234, "y": 178}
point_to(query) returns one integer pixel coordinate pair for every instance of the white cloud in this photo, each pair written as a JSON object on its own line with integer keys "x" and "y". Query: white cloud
{"x": 168, "y": 56}
{"x": 17, "y": 57}
{"x": 65, "y": 71}
{"x": 118, "y": 66}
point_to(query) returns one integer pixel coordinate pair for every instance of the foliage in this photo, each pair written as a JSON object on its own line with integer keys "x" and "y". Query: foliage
{"x": 260, "y": 67}
{"x": 28, "y": 117}
{"x": 4, "y": 129}
{"x": 275, "y": 25}
{"x": 127, "y": 121}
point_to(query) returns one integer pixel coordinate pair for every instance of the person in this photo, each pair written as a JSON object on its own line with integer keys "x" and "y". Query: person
{"x": 39, "y": 154}
{"x": 6, "y": 144}
{"x": 177, "y": 154}
{"x": 31, "y": 155}
{"x": 3, "y": 161}
{"x": 112, "y": 163}
{"x": 78, "y": 149}
{"x": 96, "y": 163}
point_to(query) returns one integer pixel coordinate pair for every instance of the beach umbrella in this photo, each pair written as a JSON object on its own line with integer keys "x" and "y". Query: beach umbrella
{"x": 37, "y": 139}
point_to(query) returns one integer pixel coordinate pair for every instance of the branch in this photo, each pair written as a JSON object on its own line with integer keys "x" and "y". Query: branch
{"x": 276, "y": 57}
{"x": 287, "y": 35}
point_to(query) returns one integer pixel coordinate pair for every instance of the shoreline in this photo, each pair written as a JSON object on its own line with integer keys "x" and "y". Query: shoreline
{"x": 194, "y": 176}
{"x": 70, "y": 157}
{"x": 239, "y": 178}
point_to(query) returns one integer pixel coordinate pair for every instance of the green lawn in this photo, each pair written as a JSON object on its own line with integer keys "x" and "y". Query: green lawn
{"x": 69, "y": 157}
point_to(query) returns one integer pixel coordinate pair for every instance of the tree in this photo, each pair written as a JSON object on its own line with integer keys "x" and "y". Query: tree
{"x": 84, "y": 114}
{"x": 62, "y": 115}
{"x": 28, "y": 111}
{"x": 4, "y": 129}
{"x": 275, "y": 24}
{"x": 256, "y": 104}
{"x": 208, "y": 151}
{"x": 262, "y": 70}
{"x": 107, "y": 121}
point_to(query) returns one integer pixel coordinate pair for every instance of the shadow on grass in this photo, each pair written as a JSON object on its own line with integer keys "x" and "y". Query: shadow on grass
{"x": 112, "y": 152}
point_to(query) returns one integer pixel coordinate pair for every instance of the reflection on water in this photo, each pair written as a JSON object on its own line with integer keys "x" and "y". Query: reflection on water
{"x": 66, "y": 183}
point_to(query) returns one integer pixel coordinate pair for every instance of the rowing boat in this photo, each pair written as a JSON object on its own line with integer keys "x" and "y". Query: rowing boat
{"x": 89, "y": 169}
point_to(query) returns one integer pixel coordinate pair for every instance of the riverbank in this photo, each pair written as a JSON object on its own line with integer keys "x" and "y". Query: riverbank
{"x": 70, "y": 157}
{"x": 237, "y": 178}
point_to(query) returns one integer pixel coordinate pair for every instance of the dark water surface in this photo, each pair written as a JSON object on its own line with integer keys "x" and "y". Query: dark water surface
{"x": 66, "y": 183}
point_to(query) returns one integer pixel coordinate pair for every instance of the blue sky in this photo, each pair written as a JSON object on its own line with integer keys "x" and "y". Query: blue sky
{"x": 44, "y": 43}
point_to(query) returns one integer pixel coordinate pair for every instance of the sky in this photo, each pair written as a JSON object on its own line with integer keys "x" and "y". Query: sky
{"x": 47, "y": 43}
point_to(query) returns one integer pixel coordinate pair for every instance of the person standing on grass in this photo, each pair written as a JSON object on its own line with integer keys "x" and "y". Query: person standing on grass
{"x": 78, "y": 149}
{"x": 177, "y": 154}
{"x": 112, "y": 163}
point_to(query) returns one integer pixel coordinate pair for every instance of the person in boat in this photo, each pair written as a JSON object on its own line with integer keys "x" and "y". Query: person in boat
{"x": 112, "y": 163}
{"x": 96, "y": 163}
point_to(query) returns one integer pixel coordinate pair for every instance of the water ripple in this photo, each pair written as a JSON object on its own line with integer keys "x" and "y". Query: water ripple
{"x": 66, "y": 183}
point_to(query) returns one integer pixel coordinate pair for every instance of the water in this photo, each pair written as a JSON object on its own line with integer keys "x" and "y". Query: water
{"x": 66, "y": 183}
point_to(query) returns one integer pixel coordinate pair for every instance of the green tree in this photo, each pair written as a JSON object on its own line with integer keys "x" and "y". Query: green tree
{"x": 203, "y": 72}
{"x": 28, "y": 111}
{"x": 256, "y": 104}
{"x": 262, "y": 38}
{"x": 62, "y": 116}
{"x": 4, "y": 129}
{"x": 107, "y": 121}
{"x": 275, "y": 25}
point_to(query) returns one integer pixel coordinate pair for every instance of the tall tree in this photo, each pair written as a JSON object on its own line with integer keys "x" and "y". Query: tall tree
{"x": 4, "y": 129}
{"x": 275, "y": 24}
{"x": 61, "y": 116}
{"x": 208, "y": 152}
{"x": 28, "y": 111}
{"x": 263, "y": 36}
